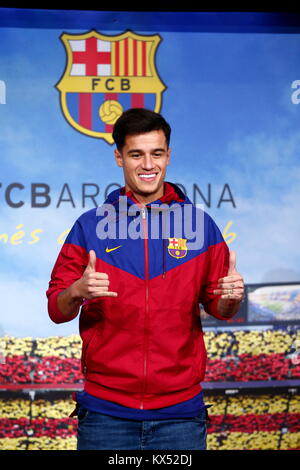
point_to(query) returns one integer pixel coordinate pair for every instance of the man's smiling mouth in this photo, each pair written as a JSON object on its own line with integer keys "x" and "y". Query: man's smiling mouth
{"x": 147, "y": 176}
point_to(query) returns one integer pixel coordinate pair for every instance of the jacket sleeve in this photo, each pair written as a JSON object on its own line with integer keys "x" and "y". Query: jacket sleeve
{"x": 69, "y": 266}
{"x": 217, "y": 267}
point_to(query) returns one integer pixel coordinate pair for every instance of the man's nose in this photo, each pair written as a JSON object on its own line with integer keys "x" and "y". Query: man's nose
{"x": 148, "y": 163}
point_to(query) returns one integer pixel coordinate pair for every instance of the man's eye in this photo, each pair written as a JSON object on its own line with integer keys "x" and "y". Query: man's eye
{"x": 158, "y": 154}
{"x": 135, "y": 155}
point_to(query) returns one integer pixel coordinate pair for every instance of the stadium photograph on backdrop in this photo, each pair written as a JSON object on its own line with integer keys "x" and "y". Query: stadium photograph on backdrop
{"x": 149, "y": 268}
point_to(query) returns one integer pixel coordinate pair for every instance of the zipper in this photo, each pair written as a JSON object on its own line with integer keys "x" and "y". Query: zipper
{"x": 146, "y": 252}
{"x": 164, "y": 258}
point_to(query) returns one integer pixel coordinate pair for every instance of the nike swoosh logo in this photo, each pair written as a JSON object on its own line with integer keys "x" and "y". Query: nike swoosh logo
{"x": 108, "y": 250}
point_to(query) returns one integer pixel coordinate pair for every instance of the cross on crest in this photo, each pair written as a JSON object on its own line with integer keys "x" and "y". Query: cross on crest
{"x": 90, "y": 57}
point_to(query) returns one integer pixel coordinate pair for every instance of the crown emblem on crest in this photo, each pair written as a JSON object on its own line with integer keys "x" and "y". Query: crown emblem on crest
{"x": 104, "y": 76}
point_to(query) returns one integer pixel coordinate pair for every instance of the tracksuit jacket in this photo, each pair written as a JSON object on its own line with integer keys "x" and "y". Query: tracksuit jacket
{"x": 144, "y": 348}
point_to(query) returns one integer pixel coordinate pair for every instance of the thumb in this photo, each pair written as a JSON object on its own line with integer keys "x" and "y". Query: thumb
{"x": 92, "y": 261}
{"x": 232, "y": 262}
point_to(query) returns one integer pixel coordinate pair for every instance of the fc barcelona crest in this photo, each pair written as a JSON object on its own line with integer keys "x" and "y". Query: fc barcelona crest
{"x": 104, "y": 76}
{"x": 177, "y": 247}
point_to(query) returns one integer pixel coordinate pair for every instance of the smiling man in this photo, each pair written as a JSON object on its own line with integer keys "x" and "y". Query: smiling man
{"x": 144, "y": 159}
{"x": 143, "y": 353}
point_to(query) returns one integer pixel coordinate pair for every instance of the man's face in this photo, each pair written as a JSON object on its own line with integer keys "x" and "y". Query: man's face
{"x": 144, "y": 159}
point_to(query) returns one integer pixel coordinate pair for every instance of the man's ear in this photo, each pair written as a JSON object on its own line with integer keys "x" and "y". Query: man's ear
{"x": 118, "y": 158}
{"x": 168, "y": 155}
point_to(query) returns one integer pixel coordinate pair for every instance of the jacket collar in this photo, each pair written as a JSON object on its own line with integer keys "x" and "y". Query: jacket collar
{"x": 172, "y": 193}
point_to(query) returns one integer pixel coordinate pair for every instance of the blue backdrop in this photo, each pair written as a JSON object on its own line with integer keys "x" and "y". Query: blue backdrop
{"x": 231, "y": 97}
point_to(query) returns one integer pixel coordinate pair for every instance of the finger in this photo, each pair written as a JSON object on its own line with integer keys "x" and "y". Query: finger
{"x": 232, "y": 278}
{"x": 98, "y": 283}
{"x": 230, "y": 284}
{"x": 237, "y": 291}
{"x": 110, "y": 294}
{"x": 103, "y": 293}
{"x": 231, "y": 297}
{"x": 96, "y": 275}
{"x": 92, "y": 261}
{"x": 232, "y": 262}
{"x": 218, "y": 291}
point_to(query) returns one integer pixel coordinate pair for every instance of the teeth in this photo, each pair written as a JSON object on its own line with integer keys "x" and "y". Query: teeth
{"x": 147, "y": 176}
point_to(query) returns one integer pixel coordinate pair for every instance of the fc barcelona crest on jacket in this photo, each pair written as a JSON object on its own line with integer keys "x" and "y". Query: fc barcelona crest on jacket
{"x": 177, "y": 247}
{"x": 104, "y": 76}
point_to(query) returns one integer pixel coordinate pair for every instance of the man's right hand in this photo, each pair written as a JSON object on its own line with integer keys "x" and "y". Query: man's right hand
{"x": 92, "y": 284}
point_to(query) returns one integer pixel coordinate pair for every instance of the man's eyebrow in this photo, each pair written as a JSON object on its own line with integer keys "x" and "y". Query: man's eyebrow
{"x": 141, "y": 151}
{"x": 134, "y": 151}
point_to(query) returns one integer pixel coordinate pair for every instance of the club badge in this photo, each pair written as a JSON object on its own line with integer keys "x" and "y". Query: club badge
{"x": 104, "y": 76}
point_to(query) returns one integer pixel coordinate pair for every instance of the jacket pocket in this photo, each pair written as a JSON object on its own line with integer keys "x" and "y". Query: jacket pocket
{"x": 87, "y": 350}
{"x": 199, "y": 356}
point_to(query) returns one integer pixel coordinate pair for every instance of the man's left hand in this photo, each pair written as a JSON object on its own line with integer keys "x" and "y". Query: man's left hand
{"x": 231, "y": 286}
{"x": 231, "y": 289}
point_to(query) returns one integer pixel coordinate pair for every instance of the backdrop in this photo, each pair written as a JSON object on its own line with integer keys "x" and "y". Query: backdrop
{"x": 229, "y": 84}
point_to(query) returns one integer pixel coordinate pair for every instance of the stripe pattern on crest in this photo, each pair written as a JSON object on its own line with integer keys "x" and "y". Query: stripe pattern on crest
{"x": 84, "y": 107}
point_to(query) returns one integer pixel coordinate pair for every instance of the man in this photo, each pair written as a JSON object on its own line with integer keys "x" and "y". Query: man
{"x": 138, "y": 280}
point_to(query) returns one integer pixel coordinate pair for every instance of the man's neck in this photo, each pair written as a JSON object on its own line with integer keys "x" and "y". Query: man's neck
{"x": 145, "y": 199}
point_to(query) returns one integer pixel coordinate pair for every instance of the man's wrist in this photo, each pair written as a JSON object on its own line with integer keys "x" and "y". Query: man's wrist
{"x": 69, "y": 302}
{"x": 74, "y": 293}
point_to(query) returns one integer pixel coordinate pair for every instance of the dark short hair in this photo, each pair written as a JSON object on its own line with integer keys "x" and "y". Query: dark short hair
{"x": 138, "y": 121}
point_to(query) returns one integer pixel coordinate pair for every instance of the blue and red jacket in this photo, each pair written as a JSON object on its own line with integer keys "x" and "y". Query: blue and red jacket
{"x": 144, "y": 348}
